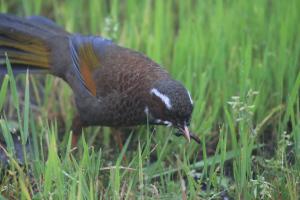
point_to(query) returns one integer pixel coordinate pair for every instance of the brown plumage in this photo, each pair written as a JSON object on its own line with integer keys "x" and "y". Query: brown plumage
{"x": 113, "y": 86}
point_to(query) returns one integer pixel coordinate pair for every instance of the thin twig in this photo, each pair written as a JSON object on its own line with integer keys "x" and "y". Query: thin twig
{"x": 115, "y": 167}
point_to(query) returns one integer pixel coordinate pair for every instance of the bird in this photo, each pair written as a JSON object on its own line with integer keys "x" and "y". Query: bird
{"x": 113, "y": 86}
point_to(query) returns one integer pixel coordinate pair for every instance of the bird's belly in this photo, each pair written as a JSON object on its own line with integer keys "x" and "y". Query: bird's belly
{"x": 112, "y": 111}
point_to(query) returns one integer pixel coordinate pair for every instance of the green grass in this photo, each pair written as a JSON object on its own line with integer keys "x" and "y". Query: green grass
{"x": 240, "y": 60}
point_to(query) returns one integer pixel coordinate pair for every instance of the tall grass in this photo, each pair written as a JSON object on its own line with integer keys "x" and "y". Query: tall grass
{"x": 240, "y": 61}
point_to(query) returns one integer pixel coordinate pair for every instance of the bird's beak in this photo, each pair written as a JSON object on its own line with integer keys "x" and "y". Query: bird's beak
{"x": 186, "y": 133}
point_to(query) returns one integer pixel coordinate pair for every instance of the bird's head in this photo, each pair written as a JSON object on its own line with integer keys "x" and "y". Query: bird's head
{"x": 170, "y": 104}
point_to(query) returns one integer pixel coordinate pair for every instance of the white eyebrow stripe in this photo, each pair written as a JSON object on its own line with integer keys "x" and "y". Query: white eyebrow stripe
{"x": 165, "y": 99}
{"x": 190, "y": 97}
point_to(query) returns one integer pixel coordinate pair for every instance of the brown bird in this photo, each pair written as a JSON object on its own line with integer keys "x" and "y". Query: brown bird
{"x": 113, "y": 86}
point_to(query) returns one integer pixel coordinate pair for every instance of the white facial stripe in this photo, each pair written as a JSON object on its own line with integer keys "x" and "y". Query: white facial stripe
{"x": 165, "y": 99}
{"x": 163, "y": 122}
{"x": 158, "y": 121}
{"x": 168, "y": 123}
{"x": 190, "y": 97}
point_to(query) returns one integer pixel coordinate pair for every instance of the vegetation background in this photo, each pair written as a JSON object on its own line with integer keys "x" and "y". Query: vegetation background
{"x": 239, "y": 59}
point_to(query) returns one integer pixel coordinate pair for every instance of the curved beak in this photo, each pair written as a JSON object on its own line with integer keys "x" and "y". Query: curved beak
{"x": 186, "y": 133}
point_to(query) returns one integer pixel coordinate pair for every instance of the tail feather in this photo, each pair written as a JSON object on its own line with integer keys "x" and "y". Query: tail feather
{"x": 12, "y": 24}
{"x": 47, "y": 23}
{"x": 33, "y": 49}
{"x": 26, "y": 42}
{"x": 24, "y": 58}
{"x": 20, "y": 69}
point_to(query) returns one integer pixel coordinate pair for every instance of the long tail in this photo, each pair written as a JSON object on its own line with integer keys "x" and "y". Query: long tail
{"x": 26, "y": 42}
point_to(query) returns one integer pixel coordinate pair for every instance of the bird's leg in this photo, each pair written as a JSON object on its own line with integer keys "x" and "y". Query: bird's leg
{"x": 116, "y": 133}
{"x": 76, "y": 130}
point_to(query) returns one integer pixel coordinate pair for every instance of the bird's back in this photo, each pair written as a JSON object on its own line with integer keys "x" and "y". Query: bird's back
{"x": 123, "y": 81}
